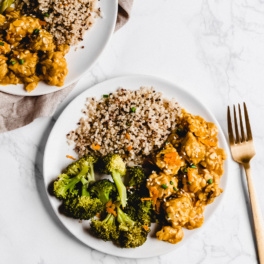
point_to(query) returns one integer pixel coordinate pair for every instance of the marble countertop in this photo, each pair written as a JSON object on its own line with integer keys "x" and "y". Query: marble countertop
{"x": 214, "y": 49}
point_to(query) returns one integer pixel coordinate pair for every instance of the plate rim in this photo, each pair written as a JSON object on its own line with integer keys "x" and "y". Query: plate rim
{"x": 221, "y": 136}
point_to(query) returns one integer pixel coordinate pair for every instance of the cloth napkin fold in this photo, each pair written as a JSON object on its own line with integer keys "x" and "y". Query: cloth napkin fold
{"x": 17, "y": 111}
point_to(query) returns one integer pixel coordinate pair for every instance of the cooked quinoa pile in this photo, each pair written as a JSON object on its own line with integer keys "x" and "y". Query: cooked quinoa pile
{"x": 131, "y": 123}
{"x": 66, "y": 20}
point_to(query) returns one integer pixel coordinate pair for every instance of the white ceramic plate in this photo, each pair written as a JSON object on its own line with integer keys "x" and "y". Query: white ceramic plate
{"x": 57, "y": 149}
{"x": 79, "y": 59}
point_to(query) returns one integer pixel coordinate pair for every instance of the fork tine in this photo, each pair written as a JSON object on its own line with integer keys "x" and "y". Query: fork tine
{"x": 242, "y": 133}
{"x": 229, "y": 124}
{"x": 236, "y": 126}
{"x": 249, "y": 134}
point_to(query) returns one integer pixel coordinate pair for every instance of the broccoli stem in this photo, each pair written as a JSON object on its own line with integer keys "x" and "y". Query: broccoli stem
{"x": 86, "y": 181}
{"x": 78, "y": 178}
{"x": 83, "y": 172}
{"x": 85, "y": 190}
{"x": 85, "y": 185}
{"x": 109, "y": 220}
{"x": 91, "y": 175}
{"x": 123, "y": 218}
{"x": 72, "y": 183}
{"x": 121, "y": 188}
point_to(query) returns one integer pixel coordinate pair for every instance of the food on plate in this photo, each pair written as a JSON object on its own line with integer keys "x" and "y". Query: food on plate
{"x": 136, "y": 176}
{"x": 66, "y": 20}
{"x": 120, "y": 228}
{"x": 28, "y": 53}
{"x": 189, "y": 168}
{"x": 164, "y": 189}
{"x": 104, "y": 190}
{"x": 114, "y": 165}
{"x": 35, "y": 37}
{"x": 132, "y": 123}
{"x": 71, "y": 187}
{"x": 83, "y": 197}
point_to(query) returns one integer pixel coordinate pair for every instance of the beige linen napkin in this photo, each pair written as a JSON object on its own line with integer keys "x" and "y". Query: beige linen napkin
{"x": 17, "y": 111}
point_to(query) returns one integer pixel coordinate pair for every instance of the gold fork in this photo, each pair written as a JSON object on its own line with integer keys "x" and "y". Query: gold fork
{"x": 242, "y": 150}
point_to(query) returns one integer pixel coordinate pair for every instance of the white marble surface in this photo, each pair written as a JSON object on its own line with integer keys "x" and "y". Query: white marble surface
{"x": 212, "y": 48}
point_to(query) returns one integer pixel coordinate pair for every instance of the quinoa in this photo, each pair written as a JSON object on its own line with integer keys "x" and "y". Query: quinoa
{"x": 132, "y": 123}
{"x": 66, "y": 20}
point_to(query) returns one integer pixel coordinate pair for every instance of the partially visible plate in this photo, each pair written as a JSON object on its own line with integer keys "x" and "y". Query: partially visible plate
{"x": 57, "y": 148}
{"x": 79, "y": 59}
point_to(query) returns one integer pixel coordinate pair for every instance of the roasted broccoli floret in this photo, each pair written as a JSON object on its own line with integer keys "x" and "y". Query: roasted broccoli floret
{"x": 82, "y": 206}
{"x": 146, "y": 214}
{"x": 72, "y": 188}
{"x": 114, "y": 165}
{"x": 65, "y": 184}
{"x": 86, "y": 162}
{"x": 106, "y": 229}
{"x": 119, "y": 227}
{"x": 104, "y": 190}
{"x": 132, "y": 233}
{"x": 69, "y": 182}
{"x": 137, "y": 176}
{"x": 140, "y": 208}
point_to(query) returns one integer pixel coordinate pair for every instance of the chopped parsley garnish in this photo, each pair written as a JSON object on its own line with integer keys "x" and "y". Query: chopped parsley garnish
{"x": 133, "y": 109}
{"x": 164, "y": 186}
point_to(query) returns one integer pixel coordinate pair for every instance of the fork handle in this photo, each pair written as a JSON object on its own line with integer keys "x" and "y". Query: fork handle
{"x": 257, "y": 216}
